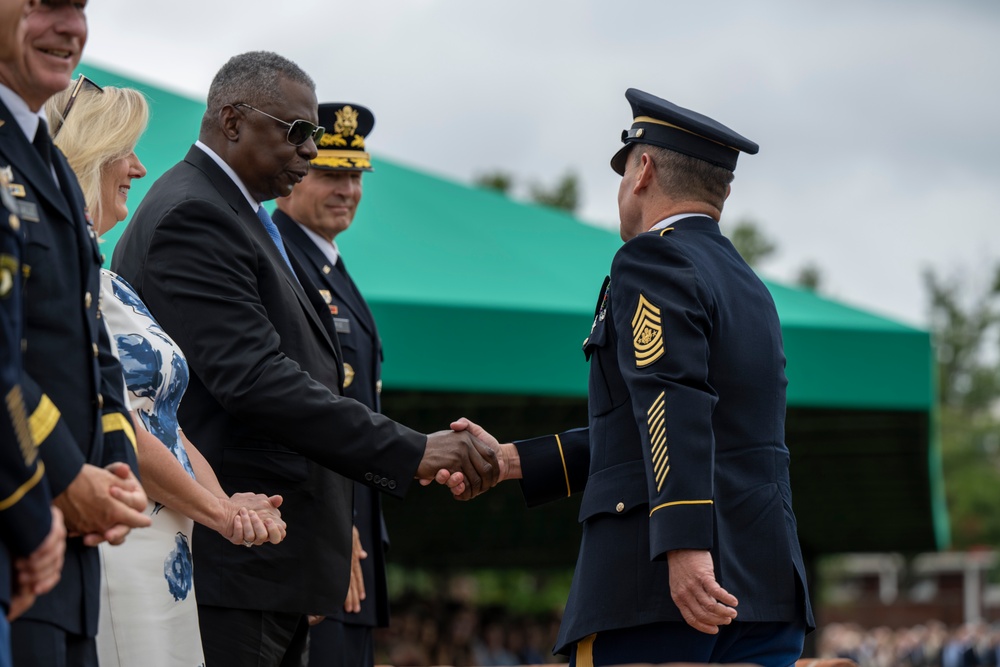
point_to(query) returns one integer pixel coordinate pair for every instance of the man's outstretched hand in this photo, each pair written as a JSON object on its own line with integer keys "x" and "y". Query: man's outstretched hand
{"x": 452, "y": 453}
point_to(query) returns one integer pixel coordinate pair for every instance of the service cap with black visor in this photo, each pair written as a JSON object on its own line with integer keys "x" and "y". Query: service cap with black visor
{"x": 661, "y": 123}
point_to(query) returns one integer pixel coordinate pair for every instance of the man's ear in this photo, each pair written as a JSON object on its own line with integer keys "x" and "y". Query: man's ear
{"x": 647, "y": 174}
{"x": 230, "y": 122}
{"x": 729, "y": 188}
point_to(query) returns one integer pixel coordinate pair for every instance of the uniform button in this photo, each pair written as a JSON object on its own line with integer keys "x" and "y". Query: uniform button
{"x": 96, "y": 351}
{"x": 384, "y": 482}
{"x": 100, "y": 401}
{"x": 620, "y": 507}
{"x": 392, "y": 484}
{"x": 87, "y": 300}
{"x": 368, "y": 477}
{"x": 377, "y": 479}
{"x": 378, "y": 387}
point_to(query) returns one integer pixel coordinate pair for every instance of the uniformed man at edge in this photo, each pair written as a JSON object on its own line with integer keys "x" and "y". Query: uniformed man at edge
{"x": 689, "y": 549}
{"x": 72, "y": 385}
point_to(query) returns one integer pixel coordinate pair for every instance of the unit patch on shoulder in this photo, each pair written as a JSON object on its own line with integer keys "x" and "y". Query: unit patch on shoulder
{"x": 647, "y": 333}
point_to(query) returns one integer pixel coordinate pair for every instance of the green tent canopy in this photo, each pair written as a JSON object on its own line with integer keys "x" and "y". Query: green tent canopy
{"x": 479, "y": 295}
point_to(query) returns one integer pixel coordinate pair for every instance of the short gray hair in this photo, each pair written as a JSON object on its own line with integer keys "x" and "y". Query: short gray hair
{"x": 686, "y": 177}
{"x": 251, "y": 78}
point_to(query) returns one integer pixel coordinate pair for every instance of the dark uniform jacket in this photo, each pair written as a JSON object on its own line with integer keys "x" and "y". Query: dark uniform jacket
{"x": 72, "y": 384}
{"x": 685, "y": 448}
{"x": 264, "y": 403}
{"x": 362, "y": 349}
{"x": 25, "y": 518}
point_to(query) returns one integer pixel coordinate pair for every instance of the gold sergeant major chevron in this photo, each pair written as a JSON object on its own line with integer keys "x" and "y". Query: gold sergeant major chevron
{"x": 647, "y": 333}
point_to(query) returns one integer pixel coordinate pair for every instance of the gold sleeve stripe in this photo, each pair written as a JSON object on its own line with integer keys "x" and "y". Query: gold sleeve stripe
{"x": 43, "y": 420}
{"x": 656, "y": 402}
{"x": 116, "y": 421}
{"x": 658, "y": 439}
{"x": 19, "y": 422}
{"x": 562, "y": 456}
{"x": 681, "y": 502}
{"x": 657, "y": 431}
{"x": 15, "y": 497}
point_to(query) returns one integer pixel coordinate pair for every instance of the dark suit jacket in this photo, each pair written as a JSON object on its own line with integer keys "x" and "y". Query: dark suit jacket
{"x": 25, "y": 518}
{"x": 685, "y": 448}
{"x": 73, "y": 385}
{"x": 362, "y": 349}
{"x": 264, "y": 402}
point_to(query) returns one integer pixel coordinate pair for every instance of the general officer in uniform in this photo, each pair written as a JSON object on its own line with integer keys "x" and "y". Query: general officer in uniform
{"x": 31, "y": 531}
{"x": 72, "y": 384}
{"x": 319, "y": 208}
{"x": 689, "y": 549}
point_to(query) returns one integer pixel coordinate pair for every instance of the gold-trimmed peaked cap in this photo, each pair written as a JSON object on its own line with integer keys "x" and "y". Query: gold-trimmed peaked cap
{"x": 342, "y": 147}
{"x": 664, "y": 124}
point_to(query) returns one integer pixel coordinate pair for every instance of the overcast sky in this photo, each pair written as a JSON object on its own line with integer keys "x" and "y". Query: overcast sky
{"x": 878, "y": 120}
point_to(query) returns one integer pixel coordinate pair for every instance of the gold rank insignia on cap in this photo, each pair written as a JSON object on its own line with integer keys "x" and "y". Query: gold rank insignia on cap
{"x": 658, "y": 441}
{"x": 342, "y": 147}
{"x": 647, "y": 333}
{"x": 348, "y": 375}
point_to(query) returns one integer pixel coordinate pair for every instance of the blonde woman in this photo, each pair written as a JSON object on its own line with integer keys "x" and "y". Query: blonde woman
{"x": 148, "y": 608}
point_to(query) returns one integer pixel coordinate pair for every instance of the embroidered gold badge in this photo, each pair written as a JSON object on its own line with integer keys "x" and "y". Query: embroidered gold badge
{"x": 327, "y": 297}
{"x": 348, "y": 375}
{"x": 647, "y": 333}
{"x": 347, "y": 121}
{"x": 658, "y": 441}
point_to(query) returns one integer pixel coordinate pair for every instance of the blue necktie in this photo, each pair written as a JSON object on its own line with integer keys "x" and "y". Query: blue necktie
{"x": 272, "y": 231}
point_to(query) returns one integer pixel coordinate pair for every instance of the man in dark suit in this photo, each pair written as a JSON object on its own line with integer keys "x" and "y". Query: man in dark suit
{"x": 264, "y": 402}
{"x": 309, "y": 219}
{"x": 689, "y": 550}
{"x": 71, "y": 382}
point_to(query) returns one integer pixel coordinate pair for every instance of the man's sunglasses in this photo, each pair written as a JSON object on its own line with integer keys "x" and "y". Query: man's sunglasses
{"x": 81, "y": 82}
{"x": 299, "y": 131}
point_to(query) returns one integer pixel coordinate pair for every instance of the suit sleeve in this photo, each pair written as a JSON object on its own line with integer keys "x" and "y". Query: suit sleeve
{"x": 201, "y": 280}
{"x": 662, "y": 316}
{"x": 554, "y": 466}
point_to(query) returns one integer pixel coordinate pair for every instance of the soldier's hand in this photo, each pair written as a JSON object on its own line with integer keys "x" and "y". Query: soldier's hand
{"x": 460, "y": 452}
{"x": 91, "y": 508}
{"x": 704, "y": 604}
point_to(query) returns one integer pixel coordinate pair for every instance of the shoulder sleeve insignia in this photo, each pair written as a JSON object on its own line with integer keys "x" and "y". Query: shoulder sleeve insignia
{"x": 647, "y": 333}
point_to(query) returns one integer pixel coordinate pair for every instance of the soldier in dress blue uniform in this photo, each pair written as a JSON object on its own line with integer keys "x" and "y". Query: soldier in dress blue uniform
{"x": 309, "y": 219}
{"x": 72, "y": 385}
{"x": 31, "y": 531}
{"x": 689, "y": 549}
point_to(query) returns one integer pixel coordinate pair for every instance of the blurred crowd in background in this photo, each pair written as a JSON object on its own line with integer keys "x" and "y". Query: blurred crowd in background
{"x": 932, "y": 644}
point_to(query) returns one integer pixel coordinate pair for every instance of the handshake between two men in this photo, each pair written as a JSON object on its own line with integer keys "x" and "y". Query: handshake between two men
{"x": 467, "y": 459}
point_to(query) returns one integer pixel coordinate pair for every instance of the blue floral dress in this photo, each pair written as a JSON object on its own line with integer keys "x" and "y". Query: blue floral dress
{"x": 149, "y": 615}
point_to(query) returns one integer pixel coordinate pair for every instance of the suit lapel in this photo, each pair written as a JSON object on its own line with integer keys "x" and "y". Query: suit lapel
{"x": 242, "y": 209}
{"x": 17, "y": 150}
